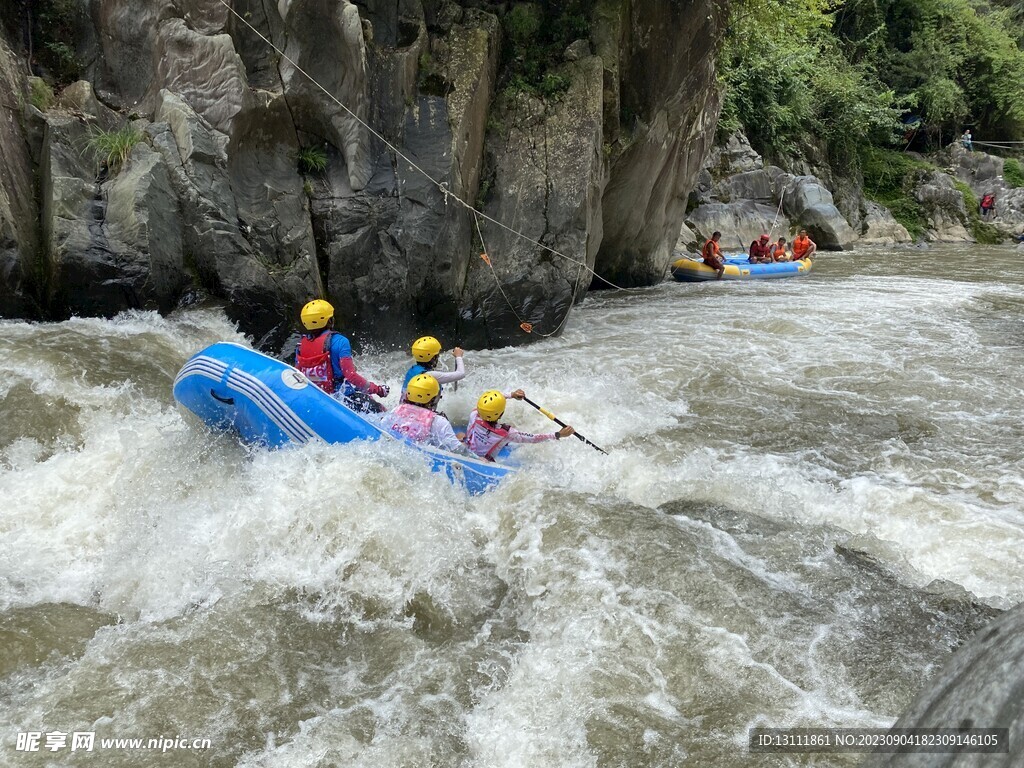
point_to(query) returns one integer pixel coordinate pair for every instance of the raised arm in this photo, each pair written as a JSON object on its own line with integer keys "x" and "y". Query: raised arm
{"x": 447, "y": 377}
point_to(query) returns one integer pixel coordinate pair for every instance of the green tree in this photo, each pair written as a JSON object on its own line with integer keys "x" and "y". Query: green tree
{"x": 786, "y": 78}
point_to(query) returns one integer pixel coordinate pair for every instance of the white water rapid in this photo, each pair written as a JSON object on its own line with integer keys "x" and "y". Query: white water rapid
{"x": 814, "y": 494}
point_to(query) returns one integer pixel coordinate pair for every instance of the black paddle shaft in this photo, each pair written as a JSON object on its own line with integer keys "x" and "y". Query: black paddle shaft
{"x": 561, "y": 423}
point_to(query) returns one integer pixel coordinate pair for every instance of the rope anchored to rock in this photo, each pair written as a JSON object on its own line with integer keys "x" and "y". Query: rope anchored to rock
{"x": 443, "y": 188}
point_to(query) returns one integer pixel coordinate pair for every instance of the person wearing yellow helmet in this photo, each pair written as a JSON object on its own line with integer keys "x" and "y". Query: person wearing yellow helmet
{"x": 325, "y": 357}
{"x": 486, "y": 437}
{"x": 426, "y": 351}
{"x": 415, "y": 418}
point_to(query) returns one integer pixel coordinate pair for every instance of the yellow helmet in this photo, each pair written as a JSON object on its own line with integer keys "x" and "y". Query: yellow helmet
{"x": 316, "y": 314}
{"x": 422, "y": 389}
{"x": 425, "y": 349}
{"x": 491, "y": 405}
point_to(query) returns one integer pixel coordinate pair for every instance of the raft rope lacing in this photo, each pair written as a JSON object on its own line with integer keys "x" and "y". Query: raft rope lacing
{"x": 443, "y": 187}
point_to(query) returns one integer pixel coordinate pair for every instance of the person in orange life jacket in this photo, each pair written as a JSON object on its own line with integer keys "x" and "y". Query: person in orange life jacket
{"x": 416, "y": 419}
{"x": 426, "y": 351}
{"x": 325, "y": 357}
{"x": 486, "y": 437}
{"x": 760, "y": 251}
{"x": 712, "y": 254}
{"x": 779, "y": 252}
{"x": 803, "y": 246}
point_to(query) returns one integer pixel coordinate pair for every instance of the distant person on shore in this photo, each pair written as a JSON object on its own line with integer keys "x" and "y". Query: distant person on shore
{"x": 987, "y": 205}
{"x": 967, "y": 140}
{"x": 760, "y": 251}
{"x": 803, "y": 246}
{"x": 712, "y": 254}
{"x": 779, "y": 252}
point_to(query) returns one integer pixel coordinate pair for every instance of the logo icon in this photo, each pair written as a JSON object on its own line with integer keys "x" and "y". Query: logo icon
{"x": 293, "y": 379}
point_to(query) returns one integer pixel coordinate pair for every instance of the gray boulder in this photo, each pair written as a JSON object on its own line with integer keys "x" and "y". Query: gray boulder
{"x": 217, "y": 253}
{"x": 142, "y": 228}
{"x": 1009, "y": 214}
{"x": 807, "y": 202}
{"x": 740, "y": 223}
{"x": 758, "y": 186}
{"x": 734, "y": 156}
{"x": 79, "y": 98}
{"x": 982, "y": 172}
{"x": 397, "y": 250}
{"x": 703, "y": 189}
{"x": 113, "y": 244}
{"x": 340, "y": 66}
{"x": 944, "y": 206}
{"x": 127, "y": 31}
{"x": 204, "y": 70}
{"x": 880, "y": 228}
{"x": 82, "y": 270}
{"x": 260, "y": 60}
{"x": 979, "y": 687}
{"x": 686, "y": 242}
{"x": 273, "y": 214}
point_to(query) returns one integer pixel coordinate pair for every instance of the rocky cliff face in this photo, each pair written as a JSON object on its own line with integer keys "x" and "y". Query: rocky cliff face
{"x": 266, "y": 179}
{"x": 19, "y": 213}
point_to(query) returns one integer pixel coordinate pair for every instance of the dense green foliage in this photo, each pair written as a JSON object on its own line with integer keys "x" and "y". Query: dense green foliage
{"x": 537, "y": 35}
{"x": 786, "y": 78}
{"x": 1013, "y": 174}
{"x": 55, "y": 26}
{"x": 888, "y": 179}
{"x": 843, "y": 71}
{"x": 956, "y": 62}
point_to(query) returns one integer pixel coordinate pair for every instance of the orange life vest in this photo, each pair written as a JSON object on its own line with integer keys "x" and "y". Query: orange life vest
{"x": 711, "y": 250}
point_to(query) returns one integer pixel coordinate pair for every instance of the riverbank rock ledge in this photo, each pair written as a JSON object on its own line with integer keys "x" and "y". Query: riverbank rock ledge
{"x": 243, "y": 181}
{"x": 980, "y": 687}
{"x": 739, "y": 195}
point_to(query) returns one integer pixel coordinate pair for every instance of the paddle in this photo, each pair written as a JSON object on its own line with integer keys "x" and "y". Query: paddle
{"x": 561, "y": 423}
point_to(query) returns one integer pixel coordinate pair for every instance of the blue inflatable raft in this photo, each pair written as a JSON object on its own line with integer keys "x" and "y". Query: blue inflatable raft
{"x": 688, "y": 270}
{"x": 267, "y": 402}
